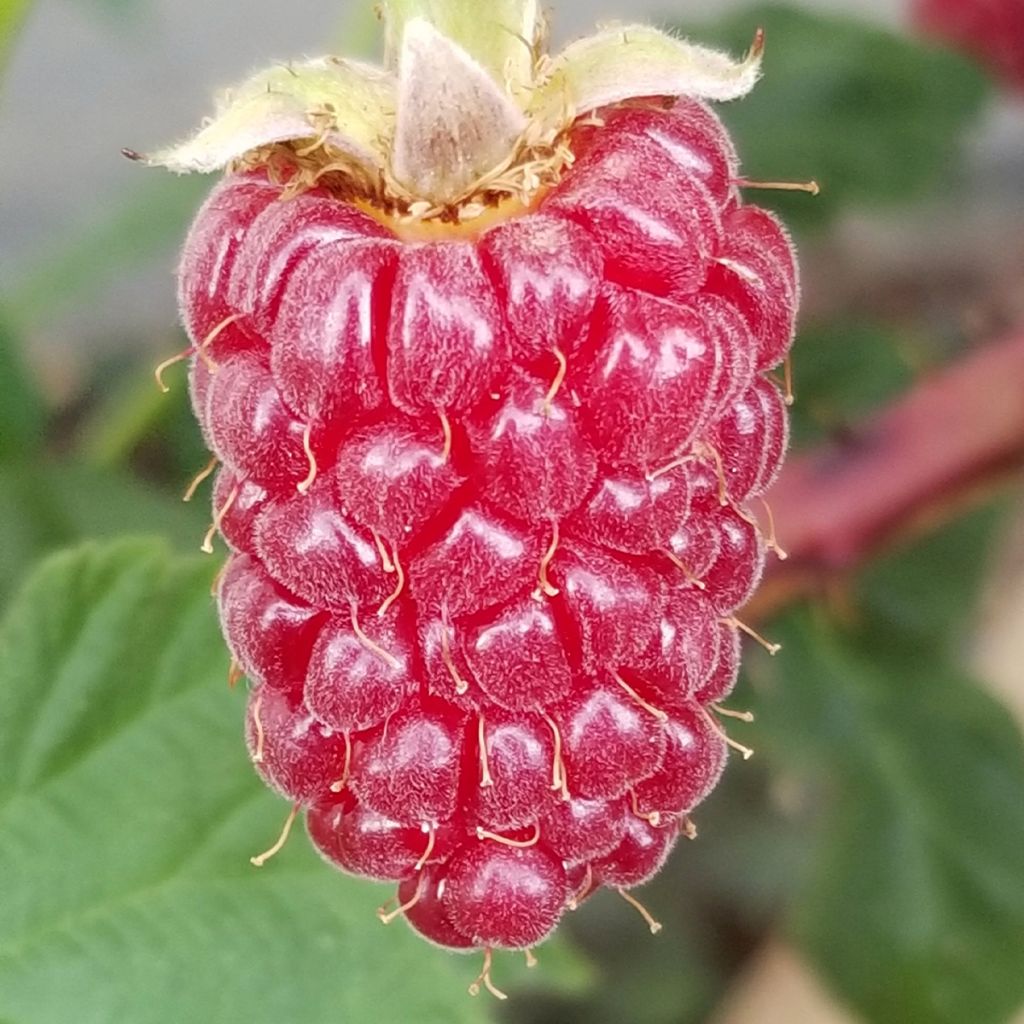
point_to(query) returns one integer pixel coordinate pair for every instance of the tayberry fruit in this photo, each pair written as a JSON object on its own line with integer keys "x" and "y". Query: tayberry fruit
{"x": 482, "y": 345}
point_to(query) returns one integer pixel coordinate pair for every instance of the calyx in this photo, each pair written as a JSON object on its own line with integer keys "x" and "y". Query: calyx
{"x": 468, "y": 108}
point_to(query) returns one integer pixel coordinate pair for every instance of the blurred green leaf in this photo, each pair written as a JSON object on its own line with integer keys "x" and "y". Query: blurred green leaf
{"x": 872, "y": 116}
{"x": 48, "y": 504}
{"x": 12, "y": 15}
{"x": 22, "y": 411}
{"x": 129, "y": 812}
{"x": 915, "y": 906}
{"x": 842, "y": 372}
{"x": 715, "y": 898}
{"x": 129, "y": 418}
{"x": 921, "y": 598}
{"x": 153, "y": 217}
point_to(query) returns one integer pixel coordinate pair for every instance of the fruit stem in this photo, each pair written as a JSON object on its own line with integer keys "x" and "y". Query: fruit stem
{"x": 772, "y": 540}
{"x": 556, "y": 384}
{"x": 446, "y": 427}
{"x": 660, "y": 715}
{"x": 158, "y": 373}
{"x": 396, "y": 567}
{"x": 653, "y": 818}
{"x": 337, "y": 787}
{"x": 681, "y": 565}
{"x": 583, "y": 890}
{"x": 771, "y": 648}
{"x": 545, "y": 586}
{"x": 461, "y": 686}
{"x": 431, "y": 840}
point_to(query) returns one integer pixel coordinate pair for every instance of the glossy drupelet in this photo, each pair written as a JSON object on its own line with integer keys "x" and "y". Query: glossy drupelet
{"x": 488, "y": 499}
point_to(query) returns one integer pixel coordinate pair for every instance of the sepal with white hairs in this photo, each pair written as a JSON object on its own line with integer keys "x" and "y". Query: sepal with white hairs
{"x": 345, "y": 103}
{"x": 627, "y": 61}
{"x": 455, "y": 123}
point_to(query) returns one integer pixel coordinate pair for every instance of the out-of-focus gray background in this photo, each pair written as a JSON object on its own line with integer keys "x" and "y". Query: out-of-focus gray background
{"x": 91, "y": 76}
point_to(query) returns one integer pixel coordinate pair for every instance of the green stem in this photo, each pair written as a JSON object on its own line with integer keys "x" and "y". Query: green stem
{"x": 498, "y": 34}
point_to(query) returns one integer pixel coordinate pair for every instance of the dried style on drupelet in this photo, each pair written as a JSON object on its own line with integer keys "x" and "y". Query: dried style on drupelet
{"x": 481, "y": 342}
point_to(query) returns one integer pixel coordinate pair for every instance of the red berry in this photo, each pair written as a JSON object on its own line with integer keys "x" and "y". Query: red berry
{"x": 293, "y": 751}
{"x": 991, "y": 30}
{"x": 580, "y": 830}
{"x": 211, "y": 250}
{"x": 353, "y": 685}
{"x": 423, "y": 896}
{"x": 282, "y": 238}
{"x": 532, "y": 460}
{"x": 270, "y": 633}
{"x": 480, "y": 562}
{"x": 652, "y": 384}
{"x": 446, "y": 336}
{"x": 689, "y": 133}
{"x": 409, "y": 770}
{"x": 635, "y": 514}
{"x": 516, "y": 764}
{"x": 641, "y": 853}
{"x": 309, "y": 547}
{"x": 517, "y": 656}
{"x": 236, "y": 504}
{"x": 610, "y": 741}
{"x": 251, "y": 429}
{"x": 548, "y": 272}
{"x": 757, "y": 272}
{"x": 695, "y": 755}
{"x": 657, "y": 237}
{"x": 362, "y": 842}
{"x": 486, "y": 466}
{"x": 393, "y": 478}
{"x": 503, "y": 896}
{"x": 326, "y": 329}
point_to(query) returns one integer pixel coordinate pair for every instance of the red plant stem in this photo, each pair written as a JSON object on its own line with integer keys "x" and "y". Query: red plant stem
{"x": 944, "y": 444}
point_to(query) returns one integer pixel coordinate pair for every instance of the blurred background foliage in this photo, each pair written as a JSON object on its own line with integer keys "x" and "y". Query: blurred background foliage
{"x": 867, "y": 865}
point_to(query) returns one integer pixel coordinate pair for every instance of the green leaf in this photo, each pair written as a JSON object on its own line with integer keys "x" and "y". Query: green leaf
{"x": 873, "y": 116}
{"x": 843, "y": 371}
{"x": 22, "y": 411}
{"x": 128, "y": 812}
{"x": 920, "y": 598}
{"x": 49, "y": 504}
{"x": 12, "y": 16}
{"x": 915, "y": 906}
